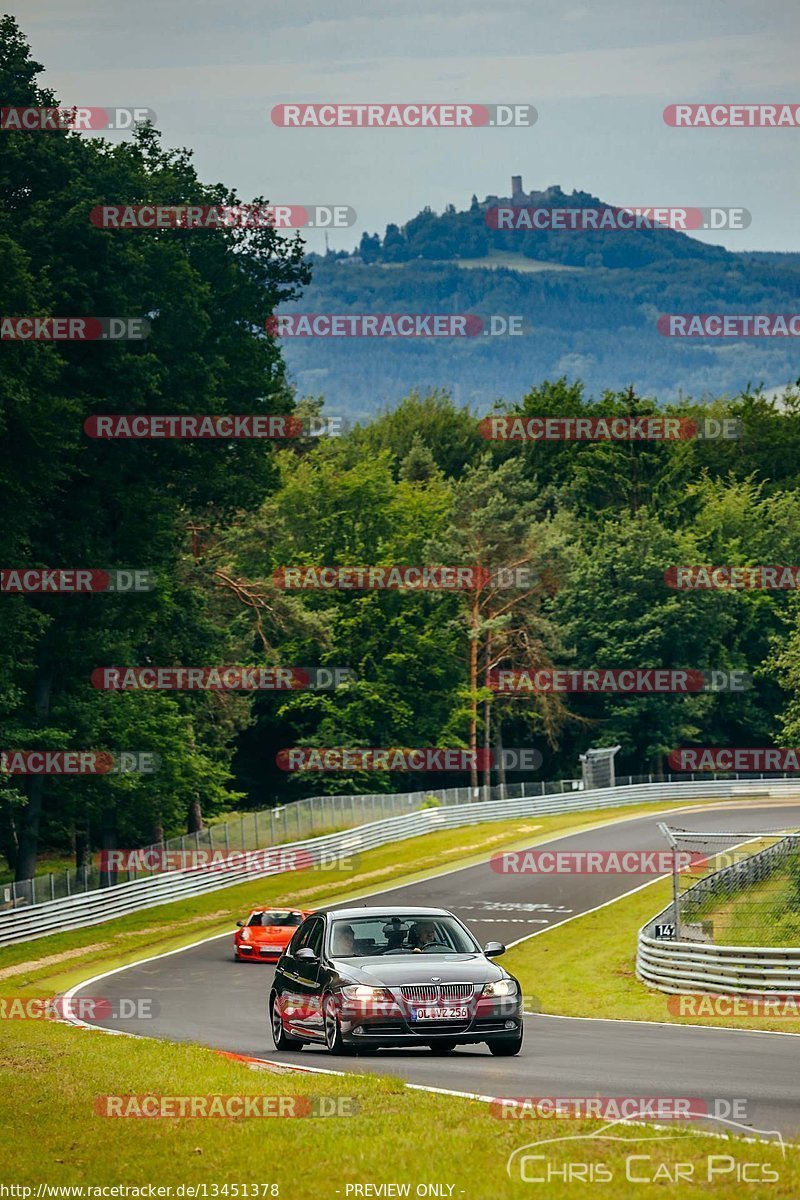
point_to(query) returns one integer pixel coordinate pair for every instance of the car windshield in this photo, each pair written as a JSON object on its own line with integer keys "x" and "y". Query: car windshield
{"x": 368, "y": 937}
{"x": 275, "y": 918}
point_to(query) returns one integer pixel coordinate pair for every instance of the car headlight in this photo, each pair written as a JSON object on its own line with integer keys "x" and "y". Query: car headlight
{"x": 245, "y": 935}
{"x": 503, "y": 987}
{"x": 361, "y": 991}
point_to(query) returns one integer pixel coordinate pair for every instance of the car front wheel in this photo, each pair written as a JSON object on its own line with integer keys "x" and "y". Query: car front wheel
{"x": 333, "y": 1030}
{"x": 282, "y": 1042}
{"x": 505, "y": 1047}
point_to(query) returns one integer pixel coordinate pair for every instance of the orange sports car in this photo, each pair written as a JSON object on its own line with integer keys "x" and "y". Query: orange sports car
{"x": 266, "y": 933}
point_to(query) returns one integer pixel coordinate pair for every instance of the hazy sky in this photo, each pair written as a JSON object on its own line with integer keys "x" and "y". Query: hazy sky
{"x": 598, "y": 74}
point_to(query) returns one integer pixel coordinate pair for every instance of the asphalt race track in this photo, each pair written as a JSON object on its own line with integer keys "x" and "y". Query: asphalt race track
{"x": 204, "y": 996}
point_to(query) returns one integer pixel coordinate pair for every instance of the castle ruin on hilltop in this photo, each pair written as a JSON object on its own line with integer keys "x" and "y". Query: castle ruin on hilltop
{"x": 519, "y": 198}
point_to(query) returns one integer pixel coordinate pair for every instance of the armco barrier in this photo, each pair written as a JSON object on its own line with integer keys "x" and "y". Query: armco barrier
{"x": 92, "y": 908}
{"x": 686, "y": 966}
{"x": 296, "y": 821}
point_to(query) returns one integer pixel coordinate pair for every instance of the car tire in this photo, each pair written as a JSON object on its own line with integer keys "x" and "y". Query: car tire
{"x": 333, "y": 1030}
{"x": 443, "y": 1047}
{"x": 279, "y": 1037}
{"x": 505, "y": 1047}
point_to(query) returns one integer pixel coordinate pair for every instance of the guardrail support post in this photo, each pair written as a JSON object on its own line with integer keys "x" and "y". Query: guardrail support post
{"x": 676, "y": 884}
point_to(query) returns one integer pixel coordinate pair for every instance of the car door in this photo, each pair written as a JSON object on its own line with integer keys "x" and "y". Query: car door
{"x": 300, "y": 979}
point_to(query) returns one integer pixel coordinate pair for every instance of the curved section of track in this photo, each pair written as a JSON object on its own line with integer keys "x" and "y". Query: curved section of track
{"x": 203, "y": 996}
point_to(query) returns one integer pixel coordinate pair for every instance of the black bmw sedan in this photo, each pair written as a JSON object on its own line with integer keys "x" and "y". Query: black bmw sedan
{"x": 365, "y": 977}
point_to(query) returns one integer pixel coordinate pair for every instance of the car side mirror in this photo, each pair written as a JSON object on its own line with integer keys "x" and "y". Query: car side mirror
{"x": 494, "y": 949}
{"x": 240, "y": 923}
{"x": 306, "y": 954}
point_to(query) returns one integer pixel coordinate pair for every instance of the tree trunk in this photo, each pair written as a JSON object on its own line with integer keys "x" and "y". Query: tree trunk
{"x": 194, "y": 819}
{"x": 28, "y": 835}
{"x": 473, "y": 686}
{"x": 487, "y": 725}
{"x": 83, "y": 853}
{"x": 108, "y": 841}
{"x": 501, "y": 766}
{"x": 9, "y": 846}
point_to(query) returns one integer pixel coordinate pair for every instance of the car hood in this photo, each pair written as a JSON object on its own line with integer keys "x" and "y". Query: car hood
{"x": 270, "y": 933}
{"x": 420, "y": 968}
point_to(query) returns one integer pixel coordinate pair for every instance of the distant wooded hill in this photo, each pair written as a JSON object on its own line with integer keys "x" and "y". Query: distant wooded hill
{"x": 590, "y": 302}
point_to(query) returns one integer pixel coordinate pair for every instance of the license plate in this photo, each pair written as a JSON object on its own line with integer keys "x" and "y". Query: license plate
{"x": 439, "y": 1014}
{"x": 272, "y": 949}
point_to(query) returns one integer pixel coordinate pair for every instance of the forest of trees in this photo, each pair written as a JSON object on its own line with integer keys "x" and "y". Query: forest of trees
{"x": 212, "y": 520}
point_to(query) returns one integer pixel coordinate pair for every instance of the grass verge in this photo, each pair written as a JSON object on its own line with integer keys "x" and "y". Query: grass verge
{"x": 766, "y": 914}
{"x": 51, "y": 1080}
{"x": 585, "y": 968}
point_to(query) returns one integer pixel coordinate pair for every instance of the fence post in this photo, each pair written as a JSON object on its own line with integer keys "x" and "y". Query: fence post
{"x": 676, "y": 894}
{"x": 255, "y": 830}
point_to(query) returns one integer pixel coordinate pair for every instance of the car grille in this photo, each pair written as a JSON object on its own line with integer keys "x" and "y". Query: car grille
{"x": 431, "y": 992}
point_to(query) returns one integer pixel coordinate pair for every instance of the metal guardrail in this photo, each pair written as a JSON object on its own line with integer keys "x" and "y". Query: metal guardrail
{"x": 276, "y": 826}
{"x": 692, "y": 966}
{"x": 294, "y": 822}
{"x": 93, "y": 908}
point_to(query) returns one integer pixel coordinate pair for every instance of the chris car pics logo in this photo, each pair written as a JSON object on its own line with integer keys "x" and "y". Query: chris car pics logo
{"x": 618, "y": 1151}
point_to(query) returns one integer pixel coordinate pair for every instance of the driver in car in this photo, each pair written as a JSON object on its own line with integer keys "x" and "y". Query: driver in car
{"x": 344, "y": 941}
{"x": 425, "y": 935}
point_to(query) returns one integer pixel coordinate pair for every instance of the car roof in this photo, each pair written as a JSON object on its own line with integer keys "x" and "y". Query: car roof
{"x": 406, "y": 910}
{"x": 276, "y": 908}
